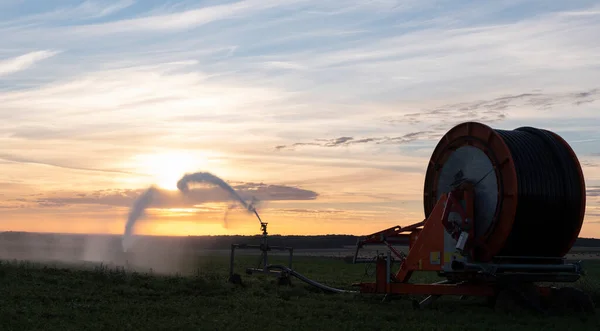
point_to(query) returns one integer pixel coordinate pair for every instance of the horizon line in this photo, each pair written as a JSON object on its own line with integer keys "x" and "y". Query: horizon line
{"x": 207, "y": 235}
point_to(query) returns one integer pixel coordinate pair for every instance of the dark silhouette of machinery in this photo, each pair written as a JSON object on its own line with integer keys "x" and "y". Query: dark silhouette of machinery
{"x": 263, "y": 267}
{"x": 502, "y": 209}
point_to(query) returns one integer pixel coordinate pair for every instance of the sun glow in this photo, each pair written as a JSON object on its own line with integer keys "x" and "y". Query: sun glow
{"x": 167, "y": 168}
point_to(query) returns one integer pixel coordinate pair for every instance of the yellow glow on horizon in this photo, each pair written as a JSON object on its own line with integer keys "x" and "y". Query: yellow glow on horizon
{"x": 175, "y": 212}
{"x": 182, "y": 228}
{"x": 167, "y": 168}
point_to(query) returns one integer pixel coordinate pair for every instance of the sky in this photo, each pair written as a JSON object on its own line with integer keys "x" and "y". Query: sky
{"x": 326, "y": 111}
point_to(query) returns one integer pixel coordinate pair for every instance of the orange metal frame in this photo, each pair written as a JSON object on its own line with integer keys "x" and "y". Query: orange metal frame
{"x": 426, "y": 251}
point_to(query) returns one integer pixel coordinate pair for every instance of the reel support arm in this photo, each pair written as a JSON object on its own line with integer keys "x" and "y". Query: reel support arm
{"x": 388, "y": 237}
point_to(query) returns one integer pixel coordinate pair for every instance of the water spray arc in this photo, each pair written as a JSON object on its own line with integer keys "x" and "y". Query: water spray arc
{"x": 206, "y": 177}
{"x": 137, "y": 212}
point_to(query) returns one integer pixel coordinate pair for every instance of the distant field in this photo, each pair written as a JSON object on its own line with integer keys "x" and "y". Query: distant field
{"x": 92, "y": 297}
{"x": 173, "y": 258}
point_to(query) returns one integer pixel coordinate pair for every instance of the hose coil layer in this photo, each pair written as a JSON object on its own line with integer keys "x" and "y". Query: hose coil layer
{"x": 538, "y": 204}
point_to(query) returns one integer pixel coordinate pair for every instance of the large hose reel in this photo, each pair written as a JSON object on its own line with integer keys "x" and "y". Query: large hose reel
{"x": 529, "y": 188}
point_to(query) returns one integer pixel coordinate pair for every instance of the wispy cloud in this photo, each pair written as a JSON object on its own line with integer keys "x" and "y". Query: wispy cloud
{"x": 185, "y": 19}
{"x": 347, "y": 141}
{"x": 593, "y": 191}
{"x": 174, "y": 199}
{"x": 17, "y": 159}
{"x": 23, "y": 62}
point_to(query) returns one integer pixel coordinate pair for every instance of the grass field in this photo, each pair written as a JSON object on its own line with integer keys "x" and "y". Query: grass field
{"x": 93, "y": 297}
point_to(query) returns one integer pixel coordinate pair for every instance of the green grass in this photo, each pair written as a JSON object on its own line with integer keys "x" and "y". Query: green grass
{"x": 93, "y": 297}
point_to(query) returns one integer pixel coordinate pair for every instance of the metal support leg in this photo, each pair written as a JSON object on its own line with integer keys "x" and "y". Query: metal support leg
{"x": 233, "y": 277}
{"x": 231, "y": 259}
{"x": 264, "y": 260}
{"x": 388, "y": 266}
{"x": 388, "y": 273}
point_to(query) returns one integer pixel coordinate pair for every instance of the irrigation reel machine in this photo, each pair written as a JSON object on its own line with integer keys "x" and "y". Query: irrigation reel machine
{"x": 502, "y": 210}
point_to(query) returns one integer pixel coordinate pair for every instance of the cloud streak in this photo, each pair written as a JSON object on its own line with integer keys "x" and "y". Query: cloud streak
{"x": 23, "y": 62}
{"x": 348, "y": 141}
{"x": 185, "y": 19}
{"x": 593, "y": 191}
{"x": 81, "y": 11}
{"x": 17, "y": 159}
{"x": 173, "y": 199}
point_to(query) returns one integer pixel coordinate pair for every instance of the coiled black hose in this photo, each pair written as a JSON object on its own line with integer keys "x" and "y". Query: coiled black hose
{"x": 549, "y": 193}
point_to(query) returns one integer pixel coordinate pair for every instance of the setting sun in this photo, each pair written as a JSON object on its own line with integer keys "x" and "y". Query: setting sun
{"x": 167, "y": 168}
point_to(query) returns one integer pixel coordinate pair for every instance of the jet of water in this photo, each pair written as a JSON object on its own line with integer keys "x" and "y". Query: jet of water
{"x": 183, "y": 186}
{"x": 135, "y": 213}
{"x": 254, "y": 203}
{"x": 250, "y": 207}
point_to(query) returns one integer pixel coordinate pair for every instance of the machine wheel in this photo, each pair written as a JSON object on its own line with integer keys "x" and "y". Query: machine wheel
{"x": 515, "y": 297}
{"x": 569, "y": 300}
{"x": 235, "y": 279}
{"x": 505, "y": 301}
{"x": 490, "y": 301}
{"x": 284, "y": 280}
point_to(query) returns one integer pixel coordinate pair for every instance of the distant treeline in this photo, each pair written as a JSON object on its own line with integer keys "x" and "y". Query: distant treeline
{"x": 190, "y": 242}
{"x": 210, "y": 242}
{"x": 587, "y": 242}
